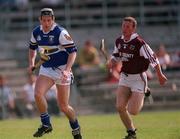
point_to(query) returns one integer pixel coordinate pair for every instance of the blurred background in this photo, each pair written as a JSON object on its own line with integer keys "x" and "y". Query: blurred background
{"x": 88, "y": 21}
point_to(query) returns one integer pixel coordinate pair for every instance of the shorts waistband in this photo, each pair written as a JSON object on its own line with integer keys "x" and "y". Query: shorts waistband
{"x": 50, "y": 50}
{"x": 127, "y": 75}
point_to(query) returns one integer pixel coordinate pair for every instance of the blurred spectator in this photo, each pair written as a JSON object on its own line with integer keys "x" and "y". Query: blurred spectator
{"x": 88, "y": 56}
{"x": 175, "y": 60}
{"x": 159, "y": 2}
{"x": 51, "y": 3}
{"x": 22, "y": 4}
{"x": 28, "y": 95}
{"x": 7, "y": 103}
{"x": 52, "y": 103}
{"x": 163, "y": 56}
{"x": 7, "y": 3}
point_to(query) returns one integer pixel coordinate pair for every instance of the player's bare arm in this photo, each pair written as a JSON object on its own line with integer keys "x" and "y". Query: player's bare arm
{"x": 110, "y": 63}
{"x": 32, "y": 56}
{"x": 161, "y": 77}
{"x": 70, "y": 62}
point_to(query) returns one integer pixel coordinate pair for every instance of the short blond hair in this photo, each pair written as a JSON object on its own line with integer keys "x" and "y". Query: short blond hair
{"x": 132, "y": 20}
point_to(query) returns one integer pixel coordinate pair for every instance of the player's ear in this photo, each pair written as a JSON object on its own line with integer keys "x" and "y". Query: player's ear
{"x": 53, "y": 18}
{"x": 40, "y": 19}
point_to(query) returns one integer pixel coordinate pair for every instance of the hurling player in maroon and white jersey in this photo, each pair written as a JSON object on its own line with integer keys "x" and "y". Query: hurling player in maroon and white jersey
{"x": 135, "y": 55}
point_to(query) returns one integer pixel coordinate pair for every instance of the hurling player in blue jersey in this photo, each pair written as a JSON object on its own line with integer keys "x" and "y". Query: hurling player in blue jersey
{"x": 53, "y": 41}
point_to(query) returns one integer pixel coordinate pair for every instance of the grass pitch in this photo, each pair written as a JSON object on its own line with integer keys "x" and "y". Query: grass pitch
{"x": 151, "y": 125}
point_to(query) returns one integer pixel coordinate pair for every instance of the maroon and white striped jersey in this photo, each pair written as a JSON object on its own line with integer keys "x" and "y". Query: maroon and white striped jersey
{"x": 135, "y": 54}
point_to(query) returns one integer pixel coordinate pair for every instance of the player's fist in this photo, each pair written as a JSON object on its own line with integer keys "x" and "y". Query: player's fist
{"x": 109, "y": 64}
{"x": 162, "y": 79}
{"x": 65, "y": 76}
{"x": 30, "y": 69}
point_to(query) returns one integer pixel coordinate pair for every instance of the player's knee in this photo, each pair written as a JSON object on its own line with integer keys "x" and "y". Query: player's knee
{"x": 120, "y": 108}
{"x": 64, "y": 108}
{"x": 38, "y": 94}
{"x": 133, "y": 111}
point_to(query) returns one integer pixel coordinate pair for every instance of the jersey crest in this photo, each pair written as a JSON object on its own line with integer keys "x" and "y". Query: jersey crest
{"x": 125, "y": 46}
{"x": 38, "y": 38}
{"x": 68, "y": 37}
{"x": 132, "y": 47}
{"x": 51, "y": 39}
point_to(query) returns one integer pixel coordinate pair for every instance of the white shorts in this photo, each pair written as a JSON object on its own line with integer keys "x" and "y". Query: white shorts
{"x": 56, "y": 74}
{"x": 136, "y": 82}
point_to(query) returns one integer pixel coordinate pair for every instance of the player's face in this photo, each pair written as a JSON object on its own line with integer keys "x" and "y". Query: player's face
{"x": 127, "y": 29}
{"x": 46, "y": 22}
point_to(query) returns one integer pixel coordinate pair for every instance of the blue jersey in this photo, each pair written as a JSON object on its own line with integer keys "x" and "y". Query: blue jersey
{"x": 56, "y": 39}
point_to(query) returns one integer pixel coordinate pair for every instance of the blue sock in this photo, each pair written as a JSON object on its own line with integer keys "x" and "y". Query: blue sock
{"x": 45, "y": 119}
{"x": 74, "y": 124}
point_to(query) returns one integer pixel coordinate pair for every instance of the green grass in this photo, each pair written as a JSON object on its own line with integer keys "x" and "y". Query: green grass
{"x": 151, "y": 125}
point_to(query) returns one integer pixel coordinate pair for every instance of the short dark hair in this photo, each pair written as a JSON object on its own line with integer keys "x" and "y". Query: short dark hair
{"x": 131, "y": 19}
{"x": 47, "y": 12}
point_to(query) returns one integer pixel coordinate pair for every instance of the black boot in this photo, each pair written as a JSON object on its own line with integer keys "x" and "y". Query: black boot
{"x": 42, "y": 130}
{"x": 77, "y": 133}
{"x": 131, "y": 134}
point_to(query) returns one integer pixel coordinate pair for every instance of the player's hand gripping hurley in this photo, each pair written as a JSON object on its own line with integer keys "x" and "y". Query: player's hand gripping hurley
{"x": 103, "y": 51}
{"x": 43, "y": 59}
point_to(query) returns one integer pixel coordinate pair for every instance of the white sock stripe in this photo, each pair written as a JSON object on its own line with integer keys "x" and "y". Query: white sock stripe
{"x": 44, "y": 114}
{"x": 44, "y": 117}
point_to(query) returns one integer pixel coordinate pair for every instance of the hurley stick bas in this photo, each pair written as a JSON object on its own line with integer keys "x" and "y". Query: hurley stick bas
{"x": 43, "y": 59}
